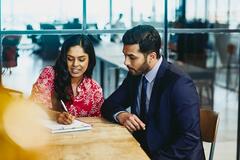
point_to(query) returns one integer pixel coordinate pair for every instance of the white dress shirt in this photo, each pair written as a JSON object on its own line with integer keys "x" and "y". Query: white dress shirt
{"x": 150, "y": 76}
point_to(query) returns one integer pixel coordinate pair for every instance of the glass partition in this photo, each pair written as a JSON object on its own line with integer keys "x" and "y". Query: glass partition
{"x": 210, "y": 57}
{"x": 101, "y": 7}
{"x": 16, "y": 15}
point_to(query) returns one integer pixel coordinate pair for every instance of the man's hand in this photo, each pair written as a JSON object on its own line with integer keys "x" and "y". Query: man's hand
{"x": 65, "y": 118}
{"x": 130, "y": 121}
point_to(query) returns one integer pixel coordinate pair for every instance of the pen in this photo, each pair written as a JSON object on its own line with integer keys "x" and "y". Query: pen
{"x": 65, "y": 108}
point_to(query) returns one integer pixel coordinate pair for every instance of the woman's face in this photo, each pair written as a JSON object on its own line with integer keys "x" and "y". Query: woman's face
{"x": 77, "y": 61}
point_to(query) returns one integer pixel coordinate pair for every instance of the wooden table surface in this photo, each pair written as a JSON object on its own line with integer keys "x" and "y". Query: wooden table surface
{"x": 105, "y": 141}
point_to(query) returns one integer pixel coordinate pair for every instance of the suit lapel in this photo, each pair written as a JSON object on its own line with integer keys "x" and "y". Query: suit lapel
{"x": 158, "y": 86}
{"x": 164, "y": 78}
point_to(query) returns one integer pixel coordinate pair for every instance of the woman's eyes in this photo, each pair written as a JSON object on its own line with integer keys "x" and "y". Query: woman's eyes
{"x": 82, "y": 59}
{"x": 79, "y": 59}
{"x": 70, "y": 59}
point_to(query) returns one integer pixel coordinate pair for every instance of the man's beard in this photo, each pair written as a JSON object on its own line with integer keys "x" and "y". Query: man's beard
{"x": 142, "y": 70}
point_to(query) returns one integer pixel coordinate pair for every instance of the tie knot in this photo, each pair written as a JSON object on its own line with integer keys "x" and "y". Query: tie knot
{"x": 144, "y": 83}
{"x": 144, "y": 80}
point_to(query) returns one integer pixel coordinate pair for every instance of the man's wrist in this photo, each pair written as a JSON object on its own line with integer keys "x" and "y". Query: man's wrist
{"x": 115, "y": 116}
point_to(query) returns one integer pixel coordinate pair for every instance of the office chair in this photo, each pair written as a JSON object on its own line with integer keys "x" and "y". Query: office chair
{"x": 209, "y": 125}
{"x": 10, "y": 51}
{"x": 205, "y": 86}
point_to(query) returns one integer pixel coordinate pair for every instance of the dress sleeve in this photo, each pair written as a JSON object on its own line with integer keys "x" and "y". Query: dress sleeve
{"x": 97, "y": 100}
{"x": 43, "y": 88}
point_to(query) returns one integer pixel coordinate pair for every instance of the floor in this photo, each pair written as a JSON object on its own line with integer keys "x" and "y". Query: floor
{"x": 226, "y": 102}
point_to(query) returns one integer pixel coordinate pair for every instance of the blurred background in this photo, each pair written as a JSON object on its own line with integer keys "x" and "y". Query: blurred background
{"x": 200, "y": 36}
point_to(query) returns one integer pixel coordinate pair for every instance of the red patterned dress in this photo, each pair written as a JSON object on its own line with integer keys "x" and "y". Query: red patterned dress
{"x": 87, "y": 102}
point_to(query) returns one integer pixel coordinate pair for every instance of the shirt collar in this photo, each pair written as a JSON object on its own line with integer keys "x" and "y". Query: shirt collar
{"x": 150, "y": 76}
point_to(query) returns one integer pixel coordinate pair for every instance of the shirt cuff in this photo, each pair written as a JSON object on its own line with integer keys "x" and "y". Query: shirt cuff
{"x": 116, "y": 114}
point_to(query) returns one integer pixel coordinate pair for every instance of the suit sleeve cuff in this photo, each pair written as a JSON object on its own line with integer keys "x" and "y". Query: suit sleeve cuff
{"x": 116, "y": 114}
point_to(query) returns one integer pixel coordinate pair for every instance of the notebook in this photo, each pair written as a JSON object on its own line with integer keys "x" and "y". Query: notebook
{"x": 58, "y": 128}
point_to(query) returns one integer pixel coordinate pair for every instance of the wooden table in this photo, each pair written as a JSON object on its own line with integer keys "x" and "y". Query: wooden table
{"x": 105, "y": 141}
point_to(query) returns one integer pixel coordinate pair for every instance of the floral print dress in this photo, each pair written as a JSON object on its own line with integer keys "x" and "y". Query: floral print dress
{"x": 87, "y": 103}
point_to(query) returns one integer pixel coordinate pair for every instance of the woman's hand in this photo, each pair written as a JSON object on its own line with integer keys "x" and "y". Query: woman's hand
{"x": 65, "y": 118}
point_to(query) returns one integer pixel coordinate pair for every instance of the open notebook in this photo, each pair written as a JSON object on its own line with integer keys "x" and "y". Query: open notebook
{"x": 58, "y": 128}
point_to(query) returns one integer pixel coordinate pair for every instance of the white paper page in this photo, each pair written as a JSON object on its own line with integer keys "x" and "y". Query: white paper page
{"x": 57, "y": 128}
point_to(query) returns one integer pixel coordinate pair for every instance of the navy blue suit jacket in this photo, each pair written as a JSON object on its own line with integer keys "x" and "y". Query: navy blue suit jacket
{"x": 173, "y": 126}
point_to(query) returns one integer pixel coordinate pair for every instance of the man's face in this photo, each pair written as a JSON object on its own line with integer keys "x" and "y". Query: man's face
{"x": 135, "y": 60}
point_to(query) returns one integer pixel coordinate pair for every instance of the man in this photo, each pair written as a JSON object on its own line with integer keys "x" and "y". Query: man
{"x": 164, "y": 102}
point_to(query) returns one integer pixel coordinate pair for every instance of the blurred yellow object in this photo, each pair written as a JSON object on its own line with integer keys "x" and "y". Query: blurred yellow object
{"x": 20, "y": 131}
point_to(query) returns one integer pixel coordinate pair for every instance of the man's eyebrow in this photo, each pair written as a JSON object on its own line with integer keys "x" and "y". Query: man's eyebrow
{"x": 129, "y": 54}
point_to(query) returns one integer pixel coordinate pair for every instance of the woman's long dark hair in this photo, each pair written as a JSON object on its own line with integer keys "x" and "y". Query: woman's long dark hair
{"x": 62, "y": 81}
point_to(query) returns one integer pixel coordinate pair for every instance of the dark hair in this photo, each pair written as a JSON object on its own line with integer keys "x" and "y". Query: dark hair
{"x": 146, "y": 36}
{"x": 62, "y": 81}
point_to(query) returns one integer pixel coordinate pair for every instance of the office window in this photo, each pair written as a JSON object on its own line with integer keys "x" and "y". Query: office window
{"x": 195, "y": 9}
{"x": 17, "y": 14}
{"x": 148, "y": 12}
{"x": 234, "y": 14}
{"x": 218, "y": 11}
{"x": 172, "y": 7}
{"x": 97, "y": 13}
{"x": 120, "y": 7}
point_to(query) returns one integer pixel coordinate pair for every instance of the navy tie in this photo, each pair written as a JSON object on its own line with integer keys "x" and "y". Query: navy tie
{"x": 143, "y": 99}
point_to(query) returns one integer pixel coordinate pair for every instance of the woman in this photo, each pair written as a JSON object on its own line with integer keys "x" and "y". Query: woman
{"x": 69, "y": 82}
